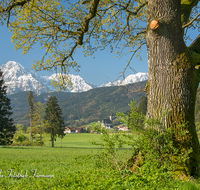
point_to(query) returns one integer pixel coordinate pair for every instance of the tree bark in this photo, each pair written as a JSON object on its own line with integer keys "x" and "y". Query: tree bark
{"x": 173, "y": 79}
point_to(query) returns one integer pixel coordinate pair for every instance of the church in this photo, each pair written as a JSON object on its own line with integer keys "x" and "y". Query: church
{"x": 107, "y": 123}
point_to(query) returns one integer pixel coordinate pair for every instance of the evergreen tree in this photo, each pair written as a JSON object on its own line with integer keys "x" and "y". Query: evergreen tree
{"x": 142, "y": 107}
{"x": 7, "y": 128}
{"x": 54, "y": 120}
{"x": 31, "y": 101}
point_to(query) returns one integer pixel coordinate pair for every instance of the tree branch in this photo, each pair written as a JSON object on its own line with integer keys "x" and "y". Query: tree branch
{"x": 130, "y": 12}
{"x": 128, "y": 64}
{"x": 90, "y": 16}
{"x": 186, "y": 8}
{"x": 14, "y": 4}
{"x": 83, "y": 29}
{"x": 189, "y": 23}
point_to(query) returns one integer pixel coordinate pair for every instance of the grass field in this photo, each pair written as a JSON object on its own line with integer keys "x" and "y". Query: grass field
{"x": 46, "y": 167}
{"x": 64, "y": 167}
{"x": 76, "y": 140}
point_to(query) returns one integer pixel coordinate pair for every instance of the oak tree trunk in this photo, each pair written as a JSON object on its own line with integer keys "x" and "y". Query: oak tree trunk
{"x": 173, "y": 79}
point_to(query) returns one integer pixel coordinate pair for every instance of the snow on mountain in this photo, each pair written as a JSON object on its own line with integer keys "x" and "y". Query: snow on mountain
{"x": 18, "y": 78}
{"x": 78, "y": 84}
{"x": 138, "y": 77}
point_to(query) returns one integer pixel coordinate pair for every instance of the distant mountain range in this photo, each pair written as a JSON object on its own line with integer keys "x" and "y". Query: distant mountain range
{"x": 85, "y": 107}
{"x": 18, "y": 78}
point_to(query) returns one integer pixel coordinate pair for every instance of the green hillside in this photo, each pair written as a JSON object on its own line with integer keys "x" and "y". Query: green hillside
{"x": 87, "y": 106}
{"x": 83, "y": 108}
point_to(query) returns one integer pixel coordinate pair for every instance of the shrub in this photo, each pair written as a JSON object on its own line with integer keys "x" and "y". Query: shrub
{"x": 155, "y": 154}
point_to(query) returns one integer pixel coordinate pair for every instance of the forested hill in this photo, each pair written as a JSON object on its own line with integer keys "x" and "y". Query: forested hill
{"x": 92, "y": 105}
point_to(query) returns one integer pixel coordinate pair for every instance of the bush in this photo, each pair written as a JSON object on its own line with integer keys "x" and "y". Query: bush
{"x": 155, "y": 154}
{"x": 21, "y": 139}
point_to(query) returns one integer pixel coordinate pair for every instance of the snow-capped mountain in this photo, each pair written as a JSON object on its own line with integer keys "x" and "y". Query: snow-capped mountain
{"x": 18, "y": 78}
{"x": 138, "y": 77}
{"x": 78, "y": 84}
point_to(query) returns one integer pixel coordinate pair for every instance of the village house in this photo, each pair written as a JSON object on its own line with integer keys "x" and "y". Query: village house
{"x": 81, "y": 130}
{"x": 122, "y": 128}
{"x": 67, "y": 130}
{"x": 74, "y": 130}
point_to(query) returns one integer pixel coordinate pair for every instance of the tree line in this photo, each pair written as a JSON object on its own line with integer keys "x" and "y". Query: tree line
{"x": 43, "y": 118}
{"x": 87, "y": 107}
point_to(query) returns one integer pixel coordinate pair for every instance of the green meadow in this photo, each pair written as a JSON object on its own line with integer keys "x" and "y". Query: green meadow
{"x": 74, "y": 164}
{"x": 76, "y": 140}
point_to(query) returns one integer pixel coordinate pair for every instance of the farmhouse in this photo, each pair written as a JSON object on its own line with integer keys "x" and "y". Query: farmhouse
{"x": 67, "y": 130}
{"x": 74, "y": 130}
{"x": 122, "y": 128}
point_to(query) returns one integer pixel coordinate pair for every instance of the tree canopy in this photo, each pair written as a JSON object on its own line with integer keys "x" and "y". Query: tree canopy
{"x": 62, "y": 26}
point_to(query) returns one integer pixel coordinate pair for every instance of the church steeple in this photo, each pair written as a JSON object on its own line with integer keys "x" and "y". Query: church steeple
{"x": 111, "y": 119}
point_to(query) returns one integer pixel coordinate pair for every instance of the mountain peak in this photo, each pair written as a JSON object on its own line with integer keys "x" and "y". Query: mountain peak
{"x": 18, "y": 78}
{"x": 11, "y": 68}
{"x": 13, "y": 64}
{"x": 133, "y": 78}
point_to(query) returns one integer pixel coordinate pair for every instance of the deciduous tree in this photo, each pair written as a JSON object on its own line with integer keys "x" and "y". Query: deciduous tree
{"x": 37, "y": 124}
{"x": 173, "y": 77}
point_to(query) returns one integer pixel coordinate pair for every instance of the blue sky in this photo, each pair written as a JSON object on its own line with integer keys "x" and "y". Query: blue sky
{"x": 103, "y": 69}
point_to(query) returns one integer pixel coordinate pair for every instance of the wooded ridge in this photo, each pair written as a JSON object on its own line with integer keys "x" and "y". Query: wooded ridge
{"x": 93, "y": 105}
